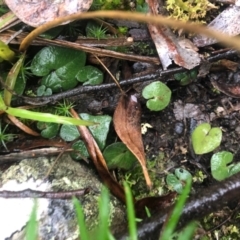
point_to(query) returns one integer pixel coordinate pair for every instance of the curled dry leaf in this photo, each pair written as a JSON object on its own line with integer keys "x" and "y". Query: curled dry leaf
{"x": 38, "y": 12}
{"x": 127, "y": 124}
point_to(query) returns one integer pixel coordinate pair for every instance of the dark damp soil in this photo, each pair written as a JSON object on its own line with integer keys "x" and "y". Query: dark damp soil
{"x": 168, "y": 143}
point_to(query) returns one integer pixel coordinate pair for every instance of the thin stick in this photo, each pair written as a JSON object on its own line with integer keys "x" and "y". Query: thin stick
{"x": 139, "y": 17}
{"x": 29, "y": 193}
{"x": 114, "y": 79}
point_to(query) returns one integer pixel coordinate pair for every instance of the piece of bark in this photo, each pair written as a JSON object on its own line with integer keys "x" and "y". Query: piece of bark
{"x": 226, "y": 22}
{"x": 167, "y": 45}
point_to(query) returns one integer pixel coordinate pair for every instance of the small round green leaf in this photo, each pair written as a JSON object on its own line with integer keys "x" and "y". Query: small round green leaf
{"x": 80, "y": 151}
{"x": 69, "y": 133}
{"x": 117, "y": 155}
{"x": 219, "y": 167}
{"x": 183, "y": 174}
{"x": 49, "y": 130}
{"x": 90, "y": 75}
{"x": 158, "y": 95}
{"x": 43, "y": 91}
{"x": 174, "y": 183}
{"x": 205, "y": 139}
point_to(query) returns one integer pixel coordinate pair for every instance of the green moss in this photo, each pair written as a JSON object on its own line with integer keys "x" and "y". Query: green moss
{"x": 190, "y": 10}
{"x": 136, "y": 180}
{"x": 110, "y": 5}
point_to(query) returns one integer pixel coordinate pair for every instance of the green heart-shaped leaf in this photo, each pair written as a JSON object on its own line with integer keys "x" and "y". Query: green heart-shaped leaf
{"x": 117, "y": 155}
{"x": 90, "y": 75}
{"x": 80, "y": 151}
{"x": 43, "y": 91}
{"x": 182, "y": 174}
{"x": 174, "y": 183}
{"x": 58, "y": 66}
{"x": 219, "y": 167}
{"x": 205, "y": 139}
{"x": 49, "y": 130}
{"x": 69, "y": 132}
{"x": 158, "y": 95}
{"x": 99, "y": 131}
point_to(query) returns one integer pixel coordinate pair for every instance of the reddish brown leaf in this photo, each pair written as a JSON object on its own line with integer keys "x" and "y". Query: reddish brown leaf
{"x": 99, "y": 161}
{"x": 22, "y": 126}
{"x": 154, "y": 204}
{"x": 26, "y": 143}
{"x": 127, "y": 124}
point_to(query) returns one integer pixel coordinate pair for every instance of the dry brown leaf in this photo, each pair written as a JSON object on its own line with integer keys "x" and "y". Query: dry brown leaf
{"x": 127, "y": 124}
{"x": 226, "y": 64}
{"x": 154, "y": 204}
{"x": 22, "y": 126}
{"x": 99, "y": 161}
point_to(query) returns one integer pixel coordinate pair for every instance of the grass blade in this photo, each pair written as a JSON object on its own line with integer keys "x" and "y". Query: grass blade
{"x": 80, "y": 218}
{"x": 32, "y": 225}
{"x": 132, "y": 226}
{"x": 176, "y": 213}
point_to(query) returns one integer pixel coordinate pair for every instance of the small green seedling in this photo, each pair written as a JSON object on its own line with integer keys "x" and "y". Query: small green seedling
{"x": 220, "y": 168}
{"x": 158, "y": 95}
{"x": 177, "y": 180}
{"x": 186, "y": 77}
{"x": 5, "y": 137}
{"x": 63, "y": 108}
{"x": 117, "y": 155}
{"x": 123, "y": 30}
{"x": 205, "y": 139}
{"x": 142, "y": 7}
{"x": 95, "y": 31}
